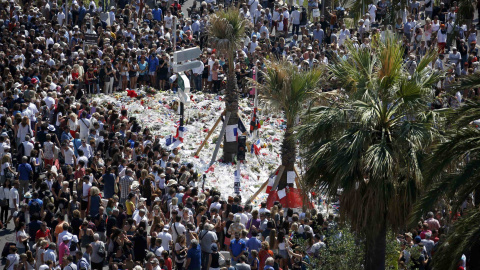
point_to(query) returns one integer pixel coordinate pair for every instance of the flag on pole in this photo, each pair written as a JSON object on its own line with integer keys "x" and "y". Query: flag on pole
{"x": 241, "y": 126}
{"x": 254, "y": 123}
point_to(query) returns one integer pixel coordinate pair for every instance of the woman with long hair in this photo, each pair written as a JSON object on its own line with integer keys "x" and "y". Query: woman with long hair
{"x": 21, "y": 237}
{"x": 6, "y": 170}
{"x": 124, "y": 67}
{"x": 130, "y": 227}
{"x": 4, "y": 198}
{"x": 24, "y": 129}
{"x": 180, "y": 251}
{"x": 132, "y": 73}
{"x": 94, "y": 201}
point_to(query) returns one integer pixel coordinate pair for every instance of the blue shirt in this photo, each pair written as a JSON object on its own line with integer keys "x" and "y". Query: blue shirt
{"x": 237, "y": 246}
{"x": 66, "y": 136}
{"x": 76, "y": 144}
{"x": 253, "y": 244}
{"x": 24, "y": 171}
{"x": 195, "y": 256}
{"x": 152, "y": 63}
{"x": 157, "y": 14}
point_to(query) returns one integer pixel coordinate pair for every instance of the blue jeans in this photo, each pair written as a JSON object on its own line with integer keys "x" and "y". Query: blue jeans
{"x": 197, "y": 81}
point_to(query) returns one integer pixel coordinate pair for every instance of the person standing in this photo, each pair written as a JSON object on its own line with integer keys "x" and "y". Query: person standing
{"x": 25, "y": 171}
{"x": 237, "y": 247}
{"x": 109, "y": 72}
{"x": 194, "y": 256}
{"x": 98, "y": 253}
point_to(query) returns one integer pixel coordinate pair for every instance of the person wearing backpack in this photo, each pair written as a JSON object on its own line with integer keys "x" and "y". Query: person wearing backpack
{"x": 98, "y": 253}
{"x": 35, "y": 205}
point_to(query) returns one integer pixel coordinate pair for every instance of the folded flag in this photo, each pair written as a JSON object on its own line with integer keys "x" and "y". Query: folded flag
{"x": 256, "y": 147}
{"x": 254, "y": 123}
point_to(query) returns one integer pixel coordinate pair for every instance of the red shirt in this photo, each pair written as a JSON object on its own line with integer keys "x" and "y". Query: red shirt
{"x": 41, "y": 233}
{"x": 168, "y": 263}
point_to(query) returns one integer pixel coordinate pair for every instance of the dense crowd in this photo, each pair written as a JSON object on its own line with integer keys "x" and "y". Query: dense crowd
{"x": 87, "y": 186}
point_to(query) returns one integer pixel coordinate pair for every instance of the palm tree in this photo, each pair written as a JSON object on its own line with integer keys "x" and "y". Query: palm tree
{"x": 453, "y": 174}
{"x": 286, "y": 88}
{"x": 369, "y": 146}
{"x": 226, "y": 31}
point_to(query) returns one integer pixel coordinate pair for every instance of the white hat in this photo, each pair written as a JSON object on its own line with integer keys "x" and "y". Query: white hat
{"x": 38, "y": 51}
{"x": 66, "y": 237}
{"x": 171, "y": 183}
{"x": 28, "y": 195}
{"x": 157, "y": 199}
{"x": 51, "y": 128}
{"x": 134, "y": 185}
{"x": 181, "y": 188}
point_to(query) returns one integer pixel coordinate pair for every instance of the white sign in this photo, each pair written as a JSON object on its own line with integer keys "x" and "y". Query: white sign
{"x": 186, "y": 66}
{"x": 291, "y": 177}
{"x": 282, "y": 193}
{"x": 188, "y": 54}
{"x": 231, "y": 133}
{"x": 316, "y": 13}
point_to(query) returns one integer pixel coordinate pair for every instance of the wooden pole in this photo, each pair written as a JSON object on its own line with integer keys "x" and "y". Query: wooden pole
{"x": 208, "y": 135}
{"x": 258, "y": 192}
{"x": 261, "y": 188}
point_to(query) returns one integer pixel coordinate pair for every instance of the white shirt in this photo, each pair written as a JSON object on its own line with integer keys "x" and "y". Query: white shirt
{"x": 86, "y": 189}
{"x": 295, "y": 17}
{"x": 14, "y": 259}
{"x": 69, "y": 156}
{"x": 177, "y": 228}
{"x": 49, "y": 101}
{"x": 253, "y": 5}
{"x": 33, "y": 108}
{"x": 200, "y": 69}
{"x": 84, "y": 125}
{"x": 4, "y": 193}
{"x": 14, "y": 199}
{"x": 139, "y": 219}
{"x": 166, "y": 238}
{"x": 28, "y": 147}
{"x": 60, "y": 18}
{"x": 168, "y": 21}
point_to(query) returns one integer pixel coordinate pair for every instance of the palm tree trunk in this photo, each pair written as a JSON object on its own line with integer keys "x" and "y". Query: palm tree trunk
{"x": 376, "y": 249}
{"x": 288, "y": 155}
{"x": 231, "y": 105}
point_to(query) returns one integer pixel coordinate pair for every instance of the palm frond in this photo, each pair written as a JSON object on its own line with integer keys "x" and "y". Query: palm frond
{"x": 464, "y": 235}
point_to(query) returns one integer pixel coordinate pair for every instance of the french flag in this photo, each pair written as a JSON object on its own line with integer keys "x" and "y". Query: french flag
{"x": 256, "y": 147}
{"x": 179, "y": 135}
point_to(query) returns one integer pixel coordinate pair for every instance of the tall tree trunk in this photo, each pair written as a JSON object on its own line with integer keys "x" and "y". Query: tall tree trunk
{"x": 376, "y": 249}
{"x": 231, "y": 105}
{"x": 288, "y": 155}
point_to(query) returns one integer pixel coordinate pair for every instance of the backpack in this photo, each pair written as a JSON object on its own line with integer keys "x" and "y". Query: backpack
{"x": 35, "y": 207}
{"x": 101, "y": 252}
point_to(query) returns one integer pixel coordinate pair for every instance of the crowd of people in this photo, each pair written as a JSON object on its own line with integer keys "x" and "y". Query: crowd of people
{"x": 88, "y": 187}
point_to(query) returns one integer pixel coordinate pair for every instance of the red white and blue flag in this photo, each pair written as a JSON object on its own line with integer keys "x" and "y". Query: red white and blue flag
{"x": 179, "y": 135}
{"x": 256, "y": 147}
